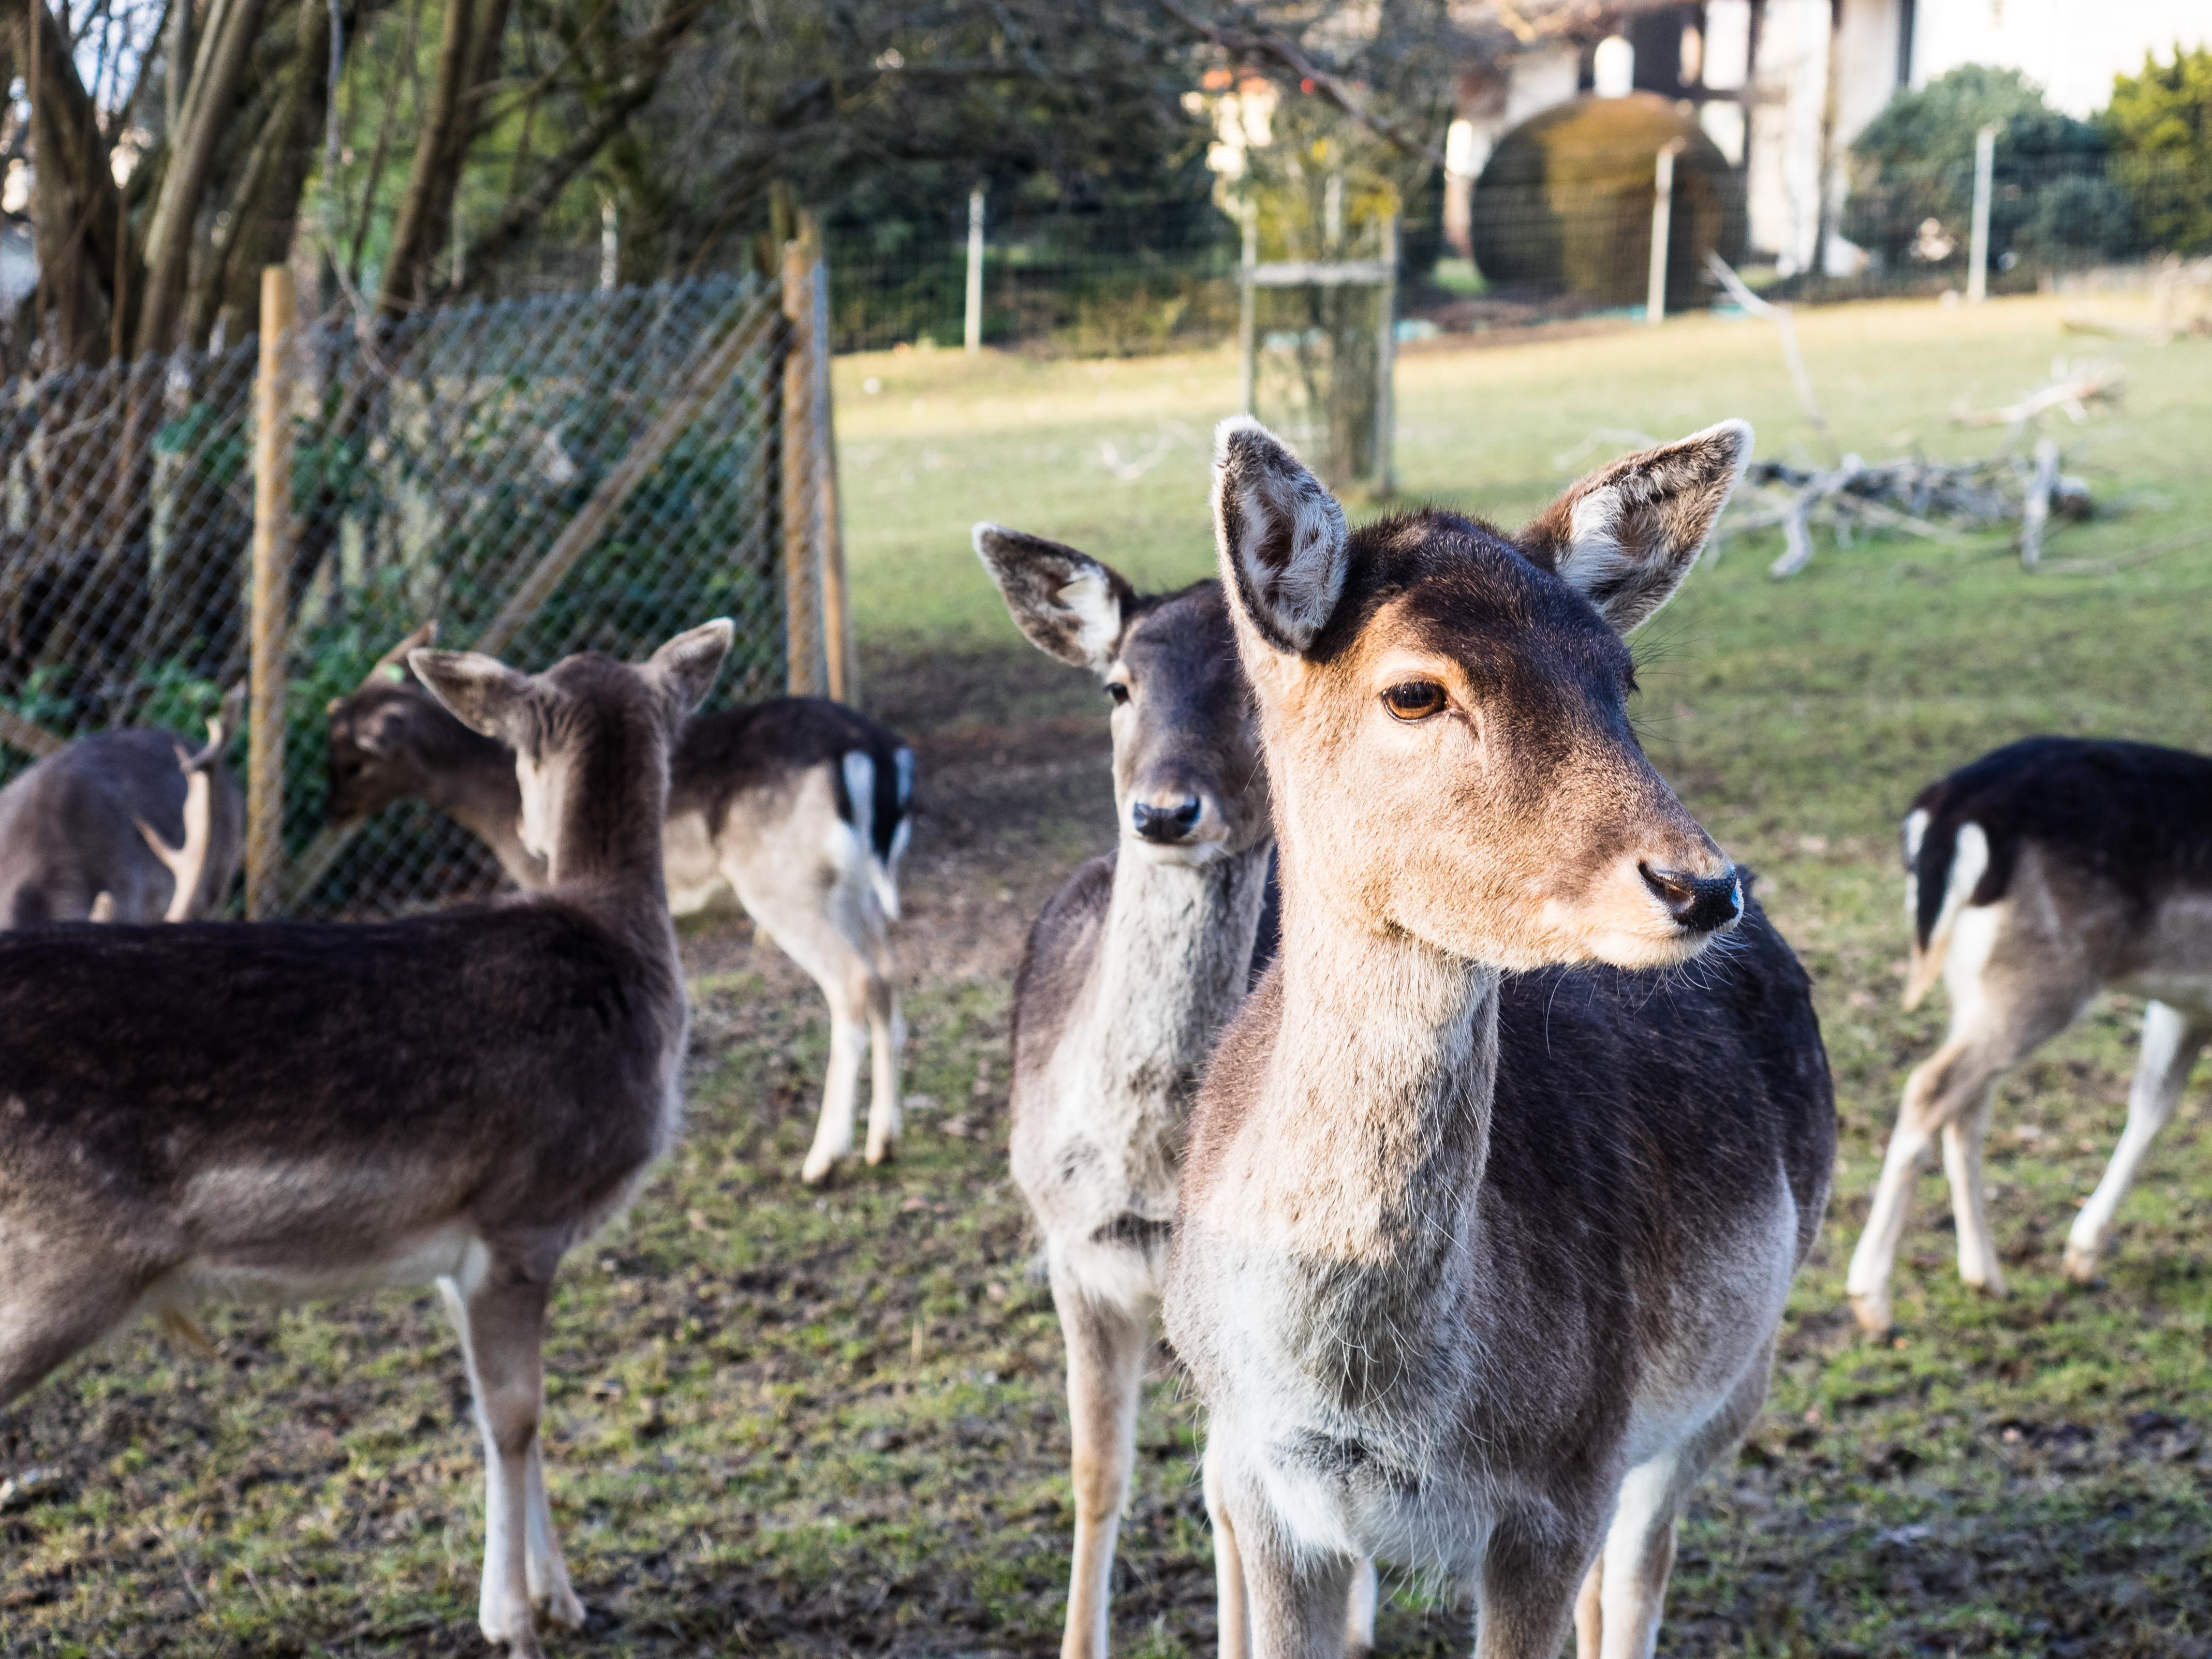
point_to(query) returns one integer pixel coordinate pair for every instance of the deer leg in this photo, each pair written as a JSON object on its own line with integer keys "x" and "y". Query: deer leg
{"x": 1233, "y": 1623}
{"x": 2170, "y": 1046}
{"x": 502, "y": 1320}
{"x": 1624, "y": 1595}
{"x": 1963, "y": 1138}
{"x": 887, "y": 1039}
{"x": 1105, "y": 1374}
{"x": 1359, "y": 1607}
{"x": 551, "y": 1592}
{"x": 56, "y": 1300}
{"x": 1952, "y": 1074}
{"x": 1526, "y": 1596}
{"x": 1297, "y": 1600}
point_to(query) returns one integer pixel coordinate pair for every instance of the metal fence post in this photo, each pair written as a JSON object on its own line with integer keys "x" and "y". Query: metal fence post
{"x": 1248, "y": 339}
{"x": 972, "y": 333}
{"x": 1978, "y": 254}
{"x": 273, "y": 531}
{"x": 1663, "y": 230}
{"x": 1386, "y": 363}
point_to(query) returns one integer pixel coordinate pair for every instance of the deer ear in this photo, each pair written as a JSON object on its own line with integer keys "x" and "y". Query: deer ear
{"x": 1067, "y": 603}
{"x": 1280, "y": 535}
{"x": 482, "y": 692}
{"x": 1627, "y": 535}
{"x": 685, "y": 667}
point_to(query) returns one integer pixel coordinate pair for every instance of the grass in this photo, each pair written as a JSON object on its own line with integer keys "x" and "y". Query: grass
{"x": 785, "y": 1422}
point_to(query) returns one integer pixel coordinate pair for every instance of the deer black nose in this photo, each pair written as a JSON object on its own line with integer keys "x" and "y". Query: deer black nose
{"x": 1700, "y": 904}
{"x": 1167, "y": 823}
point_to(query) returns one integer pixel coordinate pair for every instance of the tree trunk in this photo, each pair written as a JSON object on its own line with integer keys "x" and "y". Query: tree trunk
{"x": 209, "y": 100}
{"x": 468, "y": 58}
{"x": 76, "y": 223}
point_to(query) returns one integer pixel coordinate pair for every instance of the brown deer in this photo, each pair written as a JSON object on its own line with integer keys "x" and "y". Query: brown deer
{"x": 289, "y": 1111}
{"x": 2041, "y": 874}
{"x": 798, "y": 808}
{"x": 1497, "y": 1181}
{"x": 1131, "y": 969}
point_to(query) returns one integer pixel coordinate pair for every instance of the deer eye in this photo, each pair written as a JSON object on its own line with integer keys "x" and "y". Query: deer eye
{"x": 1414, "y": 700}
{"x": 1118, "y": 691}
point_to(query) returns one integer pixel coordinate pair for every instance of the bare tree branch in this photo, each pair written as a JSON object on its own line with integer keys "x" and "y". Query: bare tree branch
{"x": 1250, "y": 42}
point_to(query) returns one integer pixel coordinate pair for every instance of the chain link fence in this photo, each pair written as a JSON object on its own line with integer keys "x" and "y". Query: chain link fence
{"x": 540, "y": 477}
{"x": 1542, "y": 251}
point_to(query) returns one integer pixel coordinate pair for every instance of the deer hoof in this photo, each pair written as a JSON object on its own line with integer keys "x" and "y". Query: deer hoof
{"x": 816, "y": 1168}
{"x": 1871, "y": 1309}
{"x": 883, "y": 1151}
{"x": 2081, "y": 1264}
{"x": 560, "y": 1607}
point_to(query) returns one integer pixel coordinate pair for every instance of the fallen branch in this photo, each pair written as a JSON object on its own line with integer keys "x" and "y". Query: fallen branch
{"x": 1934, "y": 500}
{"x": 2072, "y": 389}
{"x": 1785, "y": 325}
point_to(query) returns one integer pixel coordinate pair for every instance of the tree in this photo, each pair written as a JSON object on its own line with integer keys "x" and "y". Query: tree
{"x": 2160, "y": 123}
{"x": 1914, "y": 164}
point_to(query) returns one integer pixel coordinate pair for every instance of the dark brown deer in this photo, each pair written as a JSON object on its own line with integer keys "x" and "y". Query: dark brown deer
{"x": 2044, "y": 873}
{"x": 1130, "y": 971}
{"x": 798, "y": 808}
{"x": 102, "y": 830}
{"x": 1497, "y": 1181}
{"x": 289, "y": 1110}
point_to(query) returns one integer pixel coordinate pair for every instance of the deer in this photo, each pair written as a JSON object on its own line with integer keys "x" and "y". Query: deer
{"x": 1130, "y": 969}
{"x": 289, "y": 1111}
{"x": 2036, "y": 877}
{"x": 1497, "y": 1183}
{"x": 800, "y": 808}
{"x": 84, "y": 833}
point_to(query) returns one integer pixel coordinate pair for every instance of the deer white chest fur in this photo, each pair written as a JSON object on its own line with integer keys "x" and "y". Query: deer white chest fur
{"x": 1097, "y": 1144}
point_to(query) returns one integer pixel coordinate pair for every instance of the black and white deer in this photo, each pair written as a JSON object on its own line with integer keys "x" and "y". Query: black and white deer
{"x": 123, "y": 826}
{"x": 292, "y": 1110}
{"x": 800, "y": 808}
{"x": 1493, "y": 1201}
{"x": 1131, "y": 969}
{"x": 2041, "y": 874}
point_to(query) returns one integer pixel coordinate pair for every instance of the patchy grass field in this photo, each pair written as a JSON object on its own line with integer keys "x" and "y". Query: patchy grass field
{"x": 791, "y": 1423}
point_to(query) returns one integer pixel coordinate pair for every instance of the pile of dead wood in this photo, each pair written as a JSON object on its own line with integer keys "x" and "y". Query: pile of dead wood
{"x": 1938, "y": 500}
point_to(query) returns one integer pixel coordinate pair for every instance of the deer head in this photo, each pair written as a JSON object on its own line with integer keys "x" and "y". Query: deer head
{"x": 583, "y": 760}
{"x": 1187, "y": 782}
{"x": 1445, "y": 715}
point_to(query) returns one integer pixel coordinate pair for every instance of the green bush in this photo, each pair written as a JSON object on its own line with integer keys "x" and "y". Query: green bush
{"x": 1913, "y": 175}
{"x": 2160, "y": 124}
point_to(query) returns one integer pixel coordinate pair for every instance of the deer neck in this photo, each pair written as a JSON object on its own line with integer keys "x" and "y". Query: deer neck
{"x": 1172, "y": 964}
{"x": 1369, "y": 1127}
{"x": 485, "y": 800}
{"x": 607, "y": 842}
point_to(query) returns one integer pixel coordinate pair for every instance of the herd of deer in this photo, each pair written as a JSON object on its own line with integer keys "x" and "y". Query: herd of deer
{"x": 1373, "y": 1057}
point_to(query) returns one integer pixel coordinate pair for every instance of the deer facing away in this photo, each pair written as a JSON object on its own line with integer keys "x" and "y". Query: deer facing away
{"x": 799, "y": 807}
{"x": 1130, "y": 971}
{"x": 1487, "y": 1217}
{"x": 85, "y": 834}
{"x": 289, "y": 1110}
{"x": 2042, "y": 874}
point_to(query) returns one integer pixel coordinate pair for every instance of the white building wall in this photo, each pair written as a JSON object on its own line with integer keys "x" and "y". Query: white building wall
{"x": 1789, "y": 83}
{"x": 2071, "y": 48}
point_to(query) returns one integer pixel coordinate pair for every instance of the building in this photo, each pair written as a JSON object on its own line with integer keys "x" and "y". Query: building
{"x": 1782, "y": 87}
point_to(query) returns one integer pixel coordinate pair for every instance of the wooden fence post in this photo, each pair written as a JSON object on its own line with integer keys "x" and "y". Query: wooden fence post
{"x": 802, "y": 502}
{"x": 273, "y": 532}
{"x": 836, "y": 609}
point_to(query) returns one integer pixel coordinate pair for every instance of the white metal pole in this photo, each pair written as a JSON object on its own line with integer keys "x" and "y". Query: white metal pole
{"x": 1386, "y": 364}
{"x": 1248, "y": 343}
{"x": 973, "y": 337}
{"x": 1662, "y": 228}
{"x": 1978, "y": 254}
